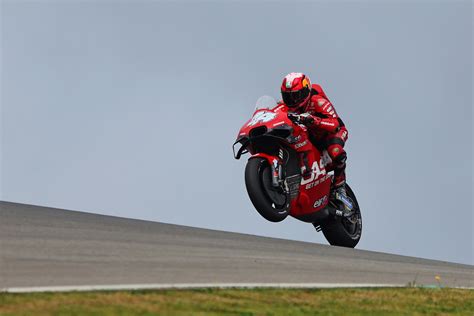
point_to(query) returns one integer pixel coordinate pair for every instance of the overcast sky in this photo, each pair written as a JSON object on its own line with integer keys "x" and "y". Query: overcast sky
{"x": 130, "y": 109}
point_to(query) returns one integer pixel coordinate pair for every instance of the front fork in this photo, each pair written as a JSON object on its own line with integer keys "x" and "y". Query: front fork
{"x": 276, "y": 164}
{"x": 277, "y": 173}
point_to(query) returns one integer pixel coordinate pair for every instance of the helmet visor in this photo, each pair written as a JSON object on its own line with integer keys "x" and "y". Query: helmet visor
{"x": 294, "y": 98}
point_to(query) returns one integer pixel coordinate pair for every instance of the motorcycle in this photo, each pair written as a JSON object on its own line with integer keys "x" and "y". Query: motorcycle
{"x": 286, "y": 174}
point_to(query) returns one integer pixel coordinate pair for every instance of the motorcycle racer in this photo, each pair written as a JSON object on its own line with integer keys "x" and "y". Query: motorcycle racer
{"x": 313, "y": 109}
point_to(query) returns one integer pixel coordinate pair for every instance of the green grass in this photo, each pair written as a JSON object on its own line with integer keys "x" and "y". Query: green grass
{"x": 381, "y": 301}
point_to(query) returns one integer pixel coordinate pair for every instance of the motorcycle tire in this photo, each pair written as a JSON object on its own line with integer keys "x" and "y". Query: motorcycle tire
{"x": 271, "y": 203}
{"x": 339, "y": 231}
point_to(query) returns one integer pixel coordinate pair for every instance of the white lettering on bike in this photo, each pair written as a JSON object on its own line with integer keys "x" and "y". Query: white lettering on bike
{"x": 320, "y": 202}
{"x": 315, "y": 183}
{"x": 261, "y": 116}
{"x": 301, "y": 144}
{"x": 316, "y": 171}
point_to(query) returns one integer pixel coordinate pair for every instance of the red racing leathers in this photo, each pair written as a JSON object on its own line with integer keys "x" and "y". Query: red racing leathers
{"x": 328, "y": 130}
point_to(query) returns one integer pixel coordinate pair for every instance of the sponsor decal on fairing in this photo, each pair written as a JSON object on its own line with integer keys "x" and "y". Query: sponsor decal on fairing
{"x": 320, "y": 202}
{"x": 317, "y": 182}
{"x": 299, "y": 145}
{"x": 317, "y": 170}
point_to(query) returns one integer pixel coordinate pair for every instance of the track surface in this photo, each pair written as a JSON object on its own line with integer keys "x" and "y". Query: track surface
{"x": 42, "y": 246}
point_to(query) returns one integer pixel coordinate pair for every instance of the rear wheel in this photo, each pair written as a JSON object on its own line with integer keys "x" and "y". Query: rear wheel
{"x": 344, "y": 232}
{"x": 272, "y": 203}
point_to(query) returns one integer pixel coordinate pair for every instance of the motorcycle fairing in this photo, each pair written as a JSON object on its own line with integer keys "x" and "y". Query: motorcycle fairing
{"x": 260, "y": 126}
{"x": 314, "y": 188}
{"x": 270, "y": 129}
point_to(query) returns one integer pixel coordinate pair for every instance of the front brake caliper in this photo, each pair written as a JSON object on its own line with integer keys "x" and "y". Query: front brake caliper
{"x": 275, "y": 173}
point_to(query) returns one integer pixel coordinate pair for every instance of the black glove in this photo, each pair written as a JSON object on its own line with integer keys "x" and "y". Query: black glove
{"x": 306, "y": 119}
{"x": 293, "y": 117}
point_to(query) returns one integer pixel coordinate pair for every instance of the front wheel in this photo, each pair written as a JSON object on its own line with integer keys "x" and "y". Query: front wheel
{"x": 344, "y": 232}
{"x": 272, "y": 203}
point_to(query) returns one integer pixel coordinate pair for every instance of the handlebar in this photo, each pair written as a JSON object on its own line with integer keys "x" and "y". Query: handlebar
{"x": 294, "y": 117}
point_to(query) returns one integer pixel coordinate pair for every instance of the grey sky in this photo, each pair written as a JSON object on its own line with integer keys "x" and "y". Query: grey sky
{"x": 130, "y": 109}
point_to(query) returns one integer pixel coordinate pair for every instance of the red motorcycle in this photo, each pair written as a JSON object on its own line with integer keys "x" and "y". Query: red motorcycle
{"x": 287, "y": 174}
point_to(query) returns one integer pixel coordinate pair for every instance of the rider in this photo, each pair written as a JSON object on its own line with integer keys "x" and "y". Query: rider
{"x": 319, "y": 115}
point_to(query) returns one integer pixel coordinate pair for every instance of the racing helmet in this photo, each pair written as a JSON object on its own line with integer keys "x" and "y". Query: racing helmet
{"x": 295, "y": 90}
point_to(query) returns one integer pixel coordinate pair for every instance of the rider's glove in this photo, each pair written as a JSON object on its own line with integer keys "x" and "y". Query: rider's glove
{"x": 308, "y": 119}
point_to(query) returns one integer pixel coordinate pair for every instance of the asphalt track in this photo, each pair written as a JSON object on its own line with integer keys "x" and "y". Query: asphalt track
{"x": 45, "y": 248}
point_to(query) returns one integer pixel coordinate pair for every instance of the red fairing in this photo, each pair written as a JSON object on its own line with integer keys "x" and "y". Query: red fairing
{"x": 265, "y": 117}
{"x": 316, "y": 183}
{"x": 314, "y": 189}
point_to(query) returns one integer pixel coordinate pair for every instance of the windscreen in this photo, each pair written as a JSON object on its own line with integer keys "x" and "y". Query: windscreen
{"x": 265, "y": 102}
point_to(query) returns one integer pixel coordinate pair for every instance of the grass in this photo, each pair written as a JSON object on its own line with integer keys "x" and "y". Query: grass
{"x": 381, "y": 301}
